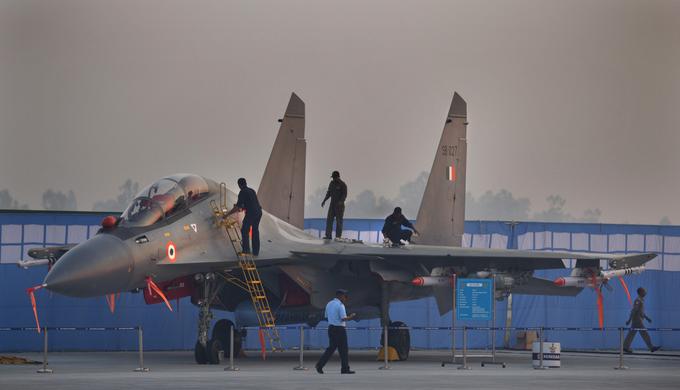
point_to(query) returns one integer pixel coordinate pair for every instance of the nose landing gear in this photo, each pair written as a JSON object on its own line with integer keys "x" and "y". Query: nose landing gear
{"x": 207, "y": 350}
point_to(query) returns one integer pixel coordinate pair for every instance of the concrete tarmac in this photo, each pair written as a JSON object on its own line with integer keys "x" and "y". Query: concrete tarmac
{"x": 176, "y": 370}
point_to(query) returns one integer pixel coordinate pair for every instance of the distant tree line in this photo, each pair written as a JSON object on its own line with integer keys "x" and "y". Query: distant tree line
{"x": 499, "y": 205}
{"x": 66, "y": 201}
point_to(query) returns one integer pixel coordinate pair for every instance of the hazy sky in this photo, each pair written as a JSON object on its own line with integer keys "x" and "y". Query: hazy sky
{"x": 578, "y": 98}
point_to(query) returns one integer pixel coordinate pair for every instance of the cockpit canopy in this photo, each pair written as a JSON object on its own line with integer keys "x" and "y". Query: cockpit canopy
{"x": 163, "y": 199}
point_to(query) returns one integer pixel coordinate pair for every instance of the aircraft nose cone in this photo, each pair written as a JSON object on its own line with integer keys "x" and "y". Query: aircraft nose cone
{"x": 101, "y": 265}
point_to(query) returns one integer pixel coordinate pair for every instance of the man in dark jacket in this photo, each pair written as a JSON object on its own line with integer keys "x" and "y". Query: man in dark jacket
{"x": 392, "y": 227}
{"x": 337, "y": 192}
{"x": 637, "y": 314}
{"x": 247, "y": 201}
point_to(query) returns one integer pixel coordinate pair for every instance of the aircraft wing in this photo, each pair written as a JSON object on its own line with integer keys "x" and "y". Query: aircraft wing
{"x": 45, "y": 256}
{"x": 472, "y": 258}
{"x": 52, "y": 252}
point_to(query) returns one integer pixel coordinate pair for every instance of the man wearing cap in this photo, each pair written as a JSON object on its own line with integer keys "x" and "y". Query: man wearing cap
{"x": 337, "y": 335}
{"x": 247, "y": 201}
{"x": 392, "y": 227}
{"x": 337, "y": 192}
{"x": 637, "y": 314}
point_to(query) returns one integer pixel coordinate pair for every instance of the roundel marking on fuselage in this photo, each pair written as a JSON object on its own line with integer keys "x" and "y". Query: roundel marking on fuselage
{"x": 171, "y": 251}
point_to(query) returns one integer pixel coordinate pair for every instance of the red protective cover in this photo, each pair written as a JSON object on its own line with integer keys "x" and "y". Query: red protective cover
{"x": 173, "y": 289}
{"x": 295, "y": 295}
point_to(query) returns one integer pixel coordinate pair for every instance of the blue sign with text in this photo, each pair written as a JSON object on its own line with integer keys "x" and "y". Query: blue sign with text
{"x": 474, "y": 299}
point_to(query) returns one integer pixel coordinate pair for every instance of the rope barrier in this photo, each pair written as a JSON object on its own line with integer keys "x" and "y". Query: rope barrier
{"x": 69, "y": 328}
{"x": 302, "y": 328}
{"x": 487, "y": 328}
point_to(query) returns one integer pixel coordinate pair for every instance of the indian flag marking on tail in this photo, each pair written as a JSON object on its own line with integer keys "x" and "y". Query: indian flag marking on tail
{"x": 451, "y": 173}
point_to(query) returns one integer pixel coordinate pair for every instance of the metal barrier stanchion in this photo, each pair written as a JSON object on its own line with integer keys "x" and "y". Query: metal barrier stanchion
{"x": 231, "y": 351}
{"x": 453, "y": 322}
{"x": 621, "y": 366}
{"x": 386, "y": 351}
{"x": 540, "y": 349}
{"x": 141, "y": 367}
{"x": 44, "y": 369}
{"x": 301, "y": 367}
{"x": 493, "y": 330}
{"x": 465, "y": 365}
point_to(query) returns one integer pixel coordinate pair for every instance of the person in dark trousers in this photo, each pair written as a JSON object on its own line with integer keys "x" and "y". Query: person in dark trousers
{"x": 337, "y": 192}
{"x": 247, "y": 201}
{"x": 637, "y": 314}
{"x": 337, "y": 334}
{"x": 392, "y": 227}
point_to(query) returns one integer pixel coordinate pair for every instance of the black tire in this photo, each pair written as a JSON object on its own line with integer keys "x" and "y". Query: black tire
{"x": 213, "y": 352}
{"x": 221, "y": 332}
{"x": 200, "y": 354}
{"x": 399, "y": 339}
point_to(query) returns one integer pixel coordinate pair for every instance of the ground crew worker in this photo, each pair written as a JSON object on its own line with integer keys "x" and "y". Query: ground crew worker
{"x": 337, "y": 192}
{"x": 392, "y": 227}
{"x": 247, "y": 201}
{"x": 337, "y": 334}
{"x": 637, "y": 314}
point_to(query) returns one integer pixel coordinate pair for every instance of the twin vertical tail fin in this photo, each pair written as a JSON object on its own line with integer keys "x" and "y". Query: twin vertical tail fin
{"x": 282, "y": 189}
{"x": 442, "y": 211}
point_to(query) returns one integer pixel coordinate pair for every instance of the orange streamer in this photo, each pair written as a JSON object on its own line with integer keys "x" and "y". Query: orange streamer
{"x": 600, "y": 301}
{"x": 625, "y": 287}
{"x": 31, "y": 294}
{"x": 262, "y": 344}
{"x": 111, "y": 301}
{"x": 153, "y": 287}
{"x": 600, "y": 308}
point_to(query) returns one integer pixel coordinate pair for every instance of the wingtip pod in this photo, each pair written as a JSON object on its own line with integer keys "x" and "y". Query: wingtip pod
{"x": 631, "y": 261}
{"x": 458, "y": 107}
{"x": 296, "y": 107}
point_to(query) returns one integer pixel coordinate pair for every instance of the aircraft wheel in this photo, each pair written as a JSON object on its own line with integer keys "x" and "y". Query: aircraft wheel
{"x": 221, "y": 332}
{"x": 399, "y": 339}
{"x": 200, "y": 354}
{"x": 214, "y": 348}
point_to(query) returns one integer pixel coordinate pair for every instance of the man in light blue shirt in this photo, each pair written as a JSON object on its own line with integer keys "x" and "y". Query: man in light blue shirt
{"x": 337, "y": 335}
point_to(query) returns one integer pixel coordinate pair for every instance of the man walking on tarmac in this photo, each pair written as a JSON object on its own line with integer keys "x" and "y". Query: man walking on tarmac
{"x": 337, "y": 334}
{"x": 637, "y": 314}
{"x": 247, "y": 201}
{"x": 337, "y": 192}
{"x": 392, "y": 227}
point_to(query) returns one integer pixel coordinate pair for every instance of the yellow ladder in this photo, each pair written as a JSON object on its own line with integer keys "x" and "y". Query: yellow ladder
{"x": 254, "y": 285}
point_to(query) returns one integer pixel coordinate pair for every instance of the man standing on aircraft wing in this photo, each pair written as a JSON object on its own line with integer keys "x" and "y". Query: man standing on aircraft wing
{"x": 247, "y": 201}
{"x": 337, "y": 334}
{"x": 637, "y": 314}
{"x": 337, "y": 192}
{"x": 392, "y": 227}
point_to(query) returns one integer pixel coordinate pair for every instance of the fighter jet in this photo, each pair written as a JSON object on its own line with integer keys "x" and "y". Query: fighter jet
{"x": 174, "y": 241}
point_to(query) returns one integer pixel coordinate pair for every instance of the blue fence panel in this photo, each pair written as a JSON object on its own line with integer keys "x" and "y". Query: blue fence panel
{"x": 165, "y": 330}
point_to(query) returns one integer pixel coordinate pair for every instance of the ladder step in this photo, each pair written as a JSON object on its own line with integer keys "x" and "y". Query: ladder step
{"x": 252, "y": 281}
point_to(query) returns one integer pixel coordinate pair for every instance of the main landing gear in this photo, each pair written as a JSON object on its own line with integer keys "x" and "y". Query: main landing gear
{"x": 399, "y": 339}
{"x": 207, "y": 350}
